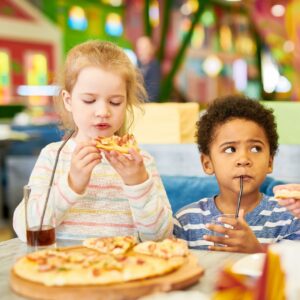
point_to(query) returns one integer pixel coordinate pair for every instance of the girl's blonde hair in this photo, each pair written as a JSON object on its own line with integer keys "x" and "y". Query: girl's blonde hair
{"x": 110, "y": 57}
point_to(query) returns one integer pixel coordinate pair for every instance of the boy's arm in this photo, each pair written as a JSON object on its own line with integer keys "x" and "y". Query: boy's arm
{"x": 178, "y": 230}
{"x": 150, "y": 207}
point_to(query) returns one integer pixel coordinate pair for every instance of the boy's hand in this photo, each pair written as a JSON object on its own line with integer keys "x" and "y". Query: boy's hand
{"x": 292, "y": 205}
{"x": 129, "y": 166}
{"x": 239, "y": 239}
{"x": 85, "y": 157}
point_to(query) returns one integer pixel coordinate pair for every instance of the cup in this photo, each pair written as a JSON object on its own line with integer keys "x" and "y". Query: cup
{"x": 215, "y": 220}
{"x": 39, "y": 218}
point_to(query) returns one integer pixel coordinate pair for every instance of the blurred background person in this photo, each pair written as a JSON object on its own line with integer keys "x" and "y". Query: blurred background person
{"x": 149, "y": 66}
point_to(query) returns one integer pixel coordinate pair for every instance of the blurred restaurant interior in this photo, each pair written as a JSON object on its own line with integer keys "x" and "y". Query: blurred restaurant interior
{"x": 206, "y": 49}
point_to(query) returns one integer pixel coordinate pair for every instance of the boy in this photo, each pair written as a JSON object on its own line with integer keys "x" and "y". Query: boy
{"x": 237, "y": 138}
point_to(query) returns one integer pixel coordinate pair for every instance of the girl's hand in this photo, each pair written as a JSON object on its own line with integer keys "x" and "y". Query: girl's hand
{"x": 85, "y": 157}
{"x": 292, "y": 205}
{"x": 238, "y": 239}
{"x": 129, "y": 166}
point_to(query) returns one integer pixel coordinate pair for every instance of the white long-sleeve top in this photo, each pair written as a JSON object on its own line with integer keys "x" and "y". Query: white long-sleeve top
{"x": 107, "y": 208}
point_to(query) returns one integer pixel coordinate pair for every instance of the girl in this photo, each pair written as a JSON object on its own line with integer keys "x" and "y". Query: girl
{"x": 100, "y": 193}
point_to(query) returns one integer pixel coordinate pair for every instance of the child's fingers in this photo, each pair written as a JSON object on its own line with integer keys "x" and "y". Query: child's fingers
{"x": 135, "y": 155}
{"x": 215, "y": 239}
{"x": 217, "y": 228}
{"x": 124, "y": 160}
{"x": 220, "y": 242}
{"x": 91, "y": 165}
{"x": 82, "y": 145}
{"x": 241, "y": 213}
{"x": 115, "y": 159}
{"x": 90, "y": 157}
{"x": 293, "y": 206}
{"x": 233, "y": 222}
{"x": 84, "y": 151}
{"x": 286, "y": 202}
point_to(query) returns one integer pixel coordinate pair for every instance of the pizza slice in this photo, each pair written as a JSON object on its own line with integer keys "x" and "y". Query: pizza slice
{"x": 113, "y": 245}
{"x": 117, "y": 143}
{"x": 168, "y": 248}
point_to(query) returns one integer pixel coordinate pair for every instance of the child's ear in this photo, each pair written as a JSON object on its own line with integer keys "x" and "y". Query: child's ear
{"x": 67, "y": 100}
{"x": 207, "y": 164}
{"x": 270, "y": 166}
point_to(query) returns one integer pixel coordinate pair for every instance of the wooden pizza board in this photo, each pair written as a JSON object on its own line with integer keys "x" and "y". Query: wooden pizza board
{"x": 186, "y": 275}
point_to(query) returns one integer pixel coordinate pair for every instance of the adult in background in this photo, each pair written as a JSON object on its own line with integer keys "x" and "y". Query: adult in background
{"x": 149, "y": 67}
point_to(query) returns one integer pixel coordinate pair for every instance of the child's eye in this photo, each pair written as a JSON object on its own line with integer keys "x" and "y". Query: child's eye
{"x": 88, "y": 101}
{"x": 229, "y": 150}
{"x": 114, "y": 103}
{"x": 256, "y": 149}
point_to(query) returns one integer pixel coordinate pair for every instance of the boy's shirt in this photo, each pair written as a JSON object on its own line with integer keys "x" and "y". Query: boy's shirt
{"x": 269, "y": 221}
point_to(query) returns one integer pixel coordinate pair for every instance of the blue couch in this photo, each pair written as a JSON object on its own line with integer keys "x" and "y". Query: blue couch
{"x": 183, "y": 190}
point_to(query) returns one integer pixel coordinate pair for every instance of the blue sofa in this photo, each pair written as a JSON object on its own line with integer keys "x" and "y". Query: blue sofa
{"x": 183, "y": 190}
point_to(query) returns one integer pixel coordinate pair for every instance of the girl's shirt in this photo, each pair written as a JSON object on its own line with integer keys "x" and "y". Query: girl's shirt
{"x": 107, "y": 208}
{"x": 269, "y": 221}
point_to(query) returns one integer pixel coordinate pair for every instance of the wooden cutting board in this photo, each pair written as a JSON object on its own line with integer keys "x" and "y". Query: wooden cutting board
{"x": 185, "y": 276}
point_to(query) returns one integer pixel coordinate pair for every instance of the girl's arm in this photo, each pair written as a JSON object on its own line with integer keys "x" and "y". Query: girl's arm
{"x": 150, "y": 207}
{"x": 60, "y": 190}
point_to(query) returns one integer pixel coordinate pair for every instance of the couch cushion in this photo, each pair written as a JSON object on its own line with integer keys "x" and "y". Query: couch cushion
{"x": 183, "y": 190}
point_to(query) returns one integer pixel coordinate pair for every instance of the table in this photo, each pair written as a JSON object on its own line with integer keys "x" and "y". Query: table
{"x": 211, "y": 261}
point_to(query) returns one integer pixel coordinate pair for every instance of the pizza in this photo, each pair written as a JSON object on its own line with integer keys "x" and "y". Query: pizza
{"x": 117, "y": 143}
{"x": 113, "y": 245}
{"x": 287, "y": 191}
{"x": 167, "y": 248}
{"x": 97, "y": 265}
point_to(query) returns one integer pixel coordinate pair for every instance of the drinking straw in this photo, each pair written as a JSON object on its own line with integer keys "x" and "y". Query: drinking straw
{"x": 239, "y": 198}
{"x": 52, "y": 177}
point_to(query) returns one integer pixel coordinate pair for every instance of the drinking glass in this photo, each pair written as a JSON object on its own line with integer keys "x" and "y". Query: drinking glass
{"x": 39, "y": 216}
{"x": 215, "y": 220}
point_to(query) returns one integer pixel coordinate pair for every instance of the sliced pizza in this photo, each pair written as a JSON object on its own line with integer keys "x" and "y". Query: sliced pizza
{"x": 167, "y": 248}
{"x": 113, "y": 245}
{"x": 117, "y": 143}
{"x": 84, "y": 266}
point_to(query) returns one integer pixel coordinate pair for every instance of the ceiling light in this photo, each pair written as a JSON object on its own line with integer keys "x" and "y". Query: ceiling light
{"x": 278, "y": 10}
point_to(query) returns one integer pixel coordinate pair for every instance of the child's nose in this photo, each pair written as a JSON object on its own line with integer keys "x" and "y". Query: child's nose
{"x": 102, "y": 111}
{"x": 243, "y": 160}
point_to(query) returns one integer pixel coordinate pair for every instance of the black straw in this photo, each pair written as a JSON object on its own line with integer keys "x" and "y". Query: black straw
{"x": 52, "y": 177}
{"x": 239, "y": 198}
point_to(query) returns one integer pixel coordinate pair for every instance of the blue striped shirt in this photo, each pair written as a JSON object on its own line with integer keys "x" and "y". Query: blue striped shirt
{"x": 269, "y": 221}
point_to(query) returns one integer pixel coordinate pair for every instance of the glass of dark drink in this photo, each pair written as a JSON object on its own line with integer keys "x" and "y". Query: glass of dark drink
{"x": 39, "y": 216}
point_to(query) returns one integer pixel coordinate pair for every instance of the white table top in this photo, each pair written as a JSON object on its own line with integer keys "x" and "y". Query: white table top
{"x": 211, "y": 261}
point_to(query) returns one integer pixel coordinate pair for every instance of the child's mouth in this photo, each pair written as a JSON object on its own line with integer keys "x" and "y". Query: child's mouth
{"x": 245, "y": 177}
{"x": 103, "y": 126}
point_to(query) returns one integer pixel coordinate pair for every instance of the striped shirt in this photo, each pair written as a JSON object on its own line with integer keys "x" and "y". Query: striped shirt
{"x": 108, "y": 207}
{"x": 269, "y": 221}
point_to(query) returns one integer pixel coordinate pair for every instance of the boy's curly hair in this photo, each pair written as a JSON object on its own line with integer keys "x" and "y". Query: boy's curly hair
{"x": 225, "y": 109}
